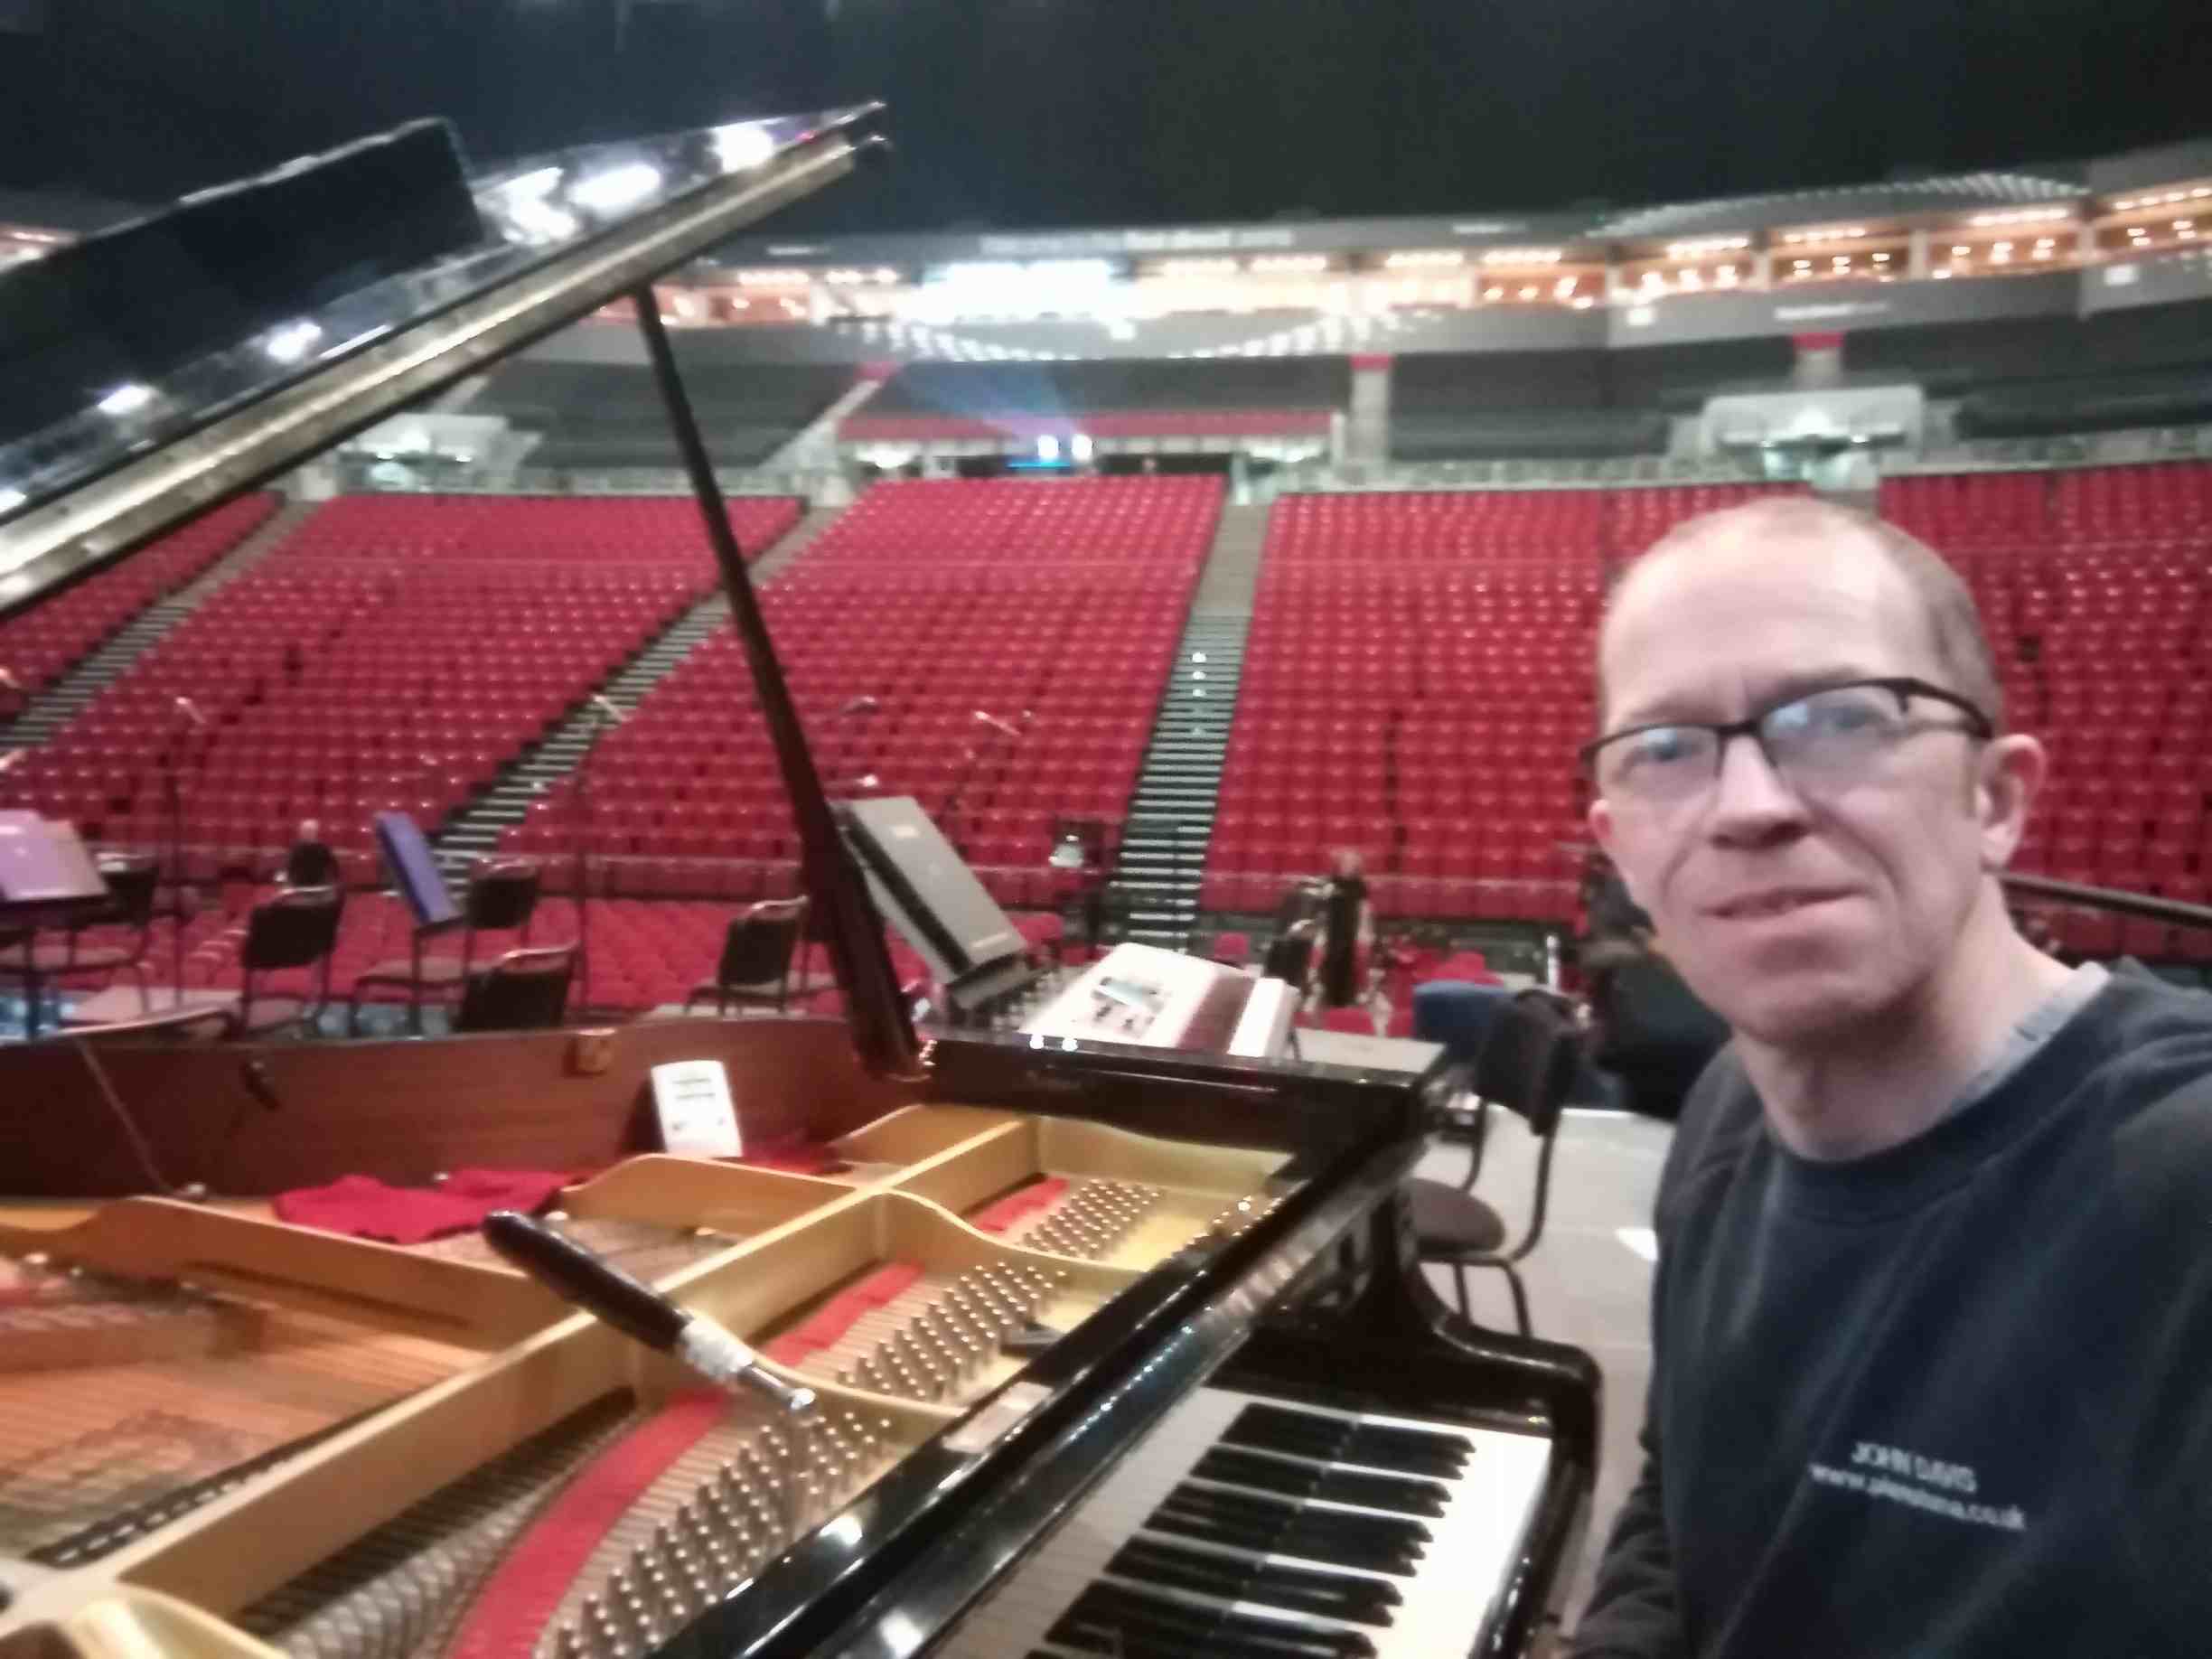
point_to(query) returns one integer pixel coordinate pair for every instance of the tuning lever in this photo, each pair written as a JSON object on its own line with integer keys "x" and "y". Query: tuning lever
{"x": 635, "y": 1308}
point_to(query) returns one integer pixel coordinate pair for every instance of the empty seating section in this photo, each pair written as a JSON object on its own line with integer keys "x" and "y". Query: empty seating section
{"x": 609, "y": 415}
{"x": 937, "y": 600}
{"x": 1417, "y": 682}
{"x": 1416, "y": 679}
{"x": 396, "y": 651}
{"x": 2094, "y": 595}
{"x": 37, "y": 647}
{"x": 1162, "y": 398}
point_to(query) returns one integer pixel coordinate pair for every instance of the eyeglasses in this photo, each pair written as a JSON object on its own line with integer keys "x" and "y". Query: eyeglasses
{"x": 1820, "y": 740}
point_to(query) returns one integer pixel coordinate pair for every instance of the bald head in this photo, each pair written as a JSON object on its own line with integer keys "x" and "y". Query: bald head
{"x": 1943, "y": 608}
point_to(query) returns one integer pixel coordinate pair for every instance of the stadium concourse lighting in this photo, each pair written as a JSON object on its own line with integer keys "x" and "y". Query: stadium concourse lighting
{"x": 743, "y": 145}
{"x": 521, "y": 203}
{"x": 293, "y": 341}
{"x": 127, "y": 401}
{"x": 1048, "y": 448}
{"x": 616, "y": 188}
{"x": 1079, "y": 448}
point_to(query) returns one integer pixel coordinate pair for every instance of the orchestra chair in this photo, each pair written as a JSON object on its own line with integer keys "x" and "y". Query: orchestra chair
{"x": 526, "y": 989}
{"x": 1526, "y": 1063}
{"x": 502, "y": 895}
{"x": 310, "y": 864}
{"x": 755, "y": 970}
{"x": 1291, "y": 953}
{"x": 296, "y": 927}
{"x": 133, "y": 880}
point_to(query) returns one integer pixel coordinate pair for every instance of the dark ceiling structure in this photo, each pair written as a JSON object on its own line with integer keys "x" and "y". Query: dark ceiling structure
{"x": 1038, "y": 113}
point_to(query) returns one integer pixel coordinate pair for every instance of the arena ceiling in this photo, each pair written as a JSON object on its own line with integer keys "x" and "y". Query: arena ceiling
{"x": 1040, "y": 113}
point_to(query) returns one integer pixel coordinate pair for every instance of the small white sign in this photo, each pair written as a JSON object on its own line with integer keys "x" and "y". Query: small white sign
{"x": 693, "y": 1099}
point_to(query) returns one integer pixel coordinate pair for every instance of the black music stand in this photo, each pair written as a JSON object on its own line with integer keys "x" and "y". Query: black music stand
{"x": 46, "y": 879}
{"x": 416, "y": 877}
{"x": 926, "y": 890}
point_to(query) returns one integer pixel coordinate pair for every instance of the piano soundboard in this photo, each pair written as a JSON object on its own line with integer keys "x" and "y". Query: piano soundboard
{"x": 1259, "y": 1528}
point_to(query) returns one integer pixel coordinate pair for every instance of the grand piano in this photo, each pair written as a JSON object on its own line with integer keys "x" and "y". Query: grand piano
{"x": 1112, "y": 1350}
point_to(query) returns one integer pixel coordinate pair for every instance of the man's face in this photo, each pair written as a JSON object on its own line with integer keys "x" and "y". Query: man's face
{"x": 1797, "y": 915}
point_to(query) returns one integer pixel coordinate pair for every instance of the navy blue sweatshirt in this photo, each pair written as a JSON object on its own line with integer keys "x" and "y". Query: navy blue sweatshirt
{"x": 1953, "y": 1399}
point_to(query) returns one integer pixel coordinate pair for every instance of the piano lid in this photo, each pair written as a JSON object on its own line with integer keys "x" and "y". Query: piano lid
{"x": 561, "y": 235}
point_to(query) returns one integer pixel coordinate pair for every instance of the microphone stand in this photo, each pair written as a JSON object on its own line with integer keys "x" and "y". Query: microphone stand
{"x": 172, "y": 802}
{"x": 1007, "y": 733}
{"x": 580, "y": 827}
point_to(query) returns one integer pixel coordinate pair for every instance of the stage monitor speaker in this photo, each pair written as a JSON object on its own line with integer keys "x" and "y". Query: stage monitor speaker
{"x": 930, "y": 896}
{"x": 413, "y": 869}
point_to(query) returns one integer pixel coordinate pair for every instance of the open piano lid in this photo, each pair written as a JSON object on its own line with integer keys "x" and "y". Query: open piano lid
{"x": 561, "y": 236}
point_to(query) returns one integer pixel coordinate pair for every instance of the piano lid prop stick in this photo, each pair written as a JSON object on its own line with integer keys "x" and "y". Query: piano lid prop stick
{"x": 597, "y": 1286}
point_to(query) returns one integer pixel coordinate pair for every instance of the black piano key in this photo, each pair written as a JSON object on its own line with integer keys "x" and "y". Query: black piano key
{"x": 1277, "y": 1541}
{"x": 1303, "y": 1589}
{"x": 1336, "y": 1440}
{"x": 1402, "y": 1530}
{"x": 1270, "y": 1526}
{"x": 1396, "y": 1493}
{"x": 1107, "y": 1613}
{"x": 1409, "y": 1451}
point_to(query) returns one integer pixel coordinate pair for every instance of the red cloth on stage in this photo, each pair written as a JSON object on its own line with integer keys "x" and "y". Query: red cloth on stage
{"x": 364, "y": 1207}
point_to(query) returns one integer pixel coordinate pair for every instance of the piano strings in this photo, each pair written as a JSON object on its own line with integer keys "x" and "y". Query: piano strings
{"x": 116, "y": 1397}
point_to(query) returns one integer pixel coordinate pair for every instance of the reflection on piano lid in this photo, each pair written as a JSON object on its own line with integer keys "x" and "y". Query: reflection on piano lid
{"x": 563, "y": 234}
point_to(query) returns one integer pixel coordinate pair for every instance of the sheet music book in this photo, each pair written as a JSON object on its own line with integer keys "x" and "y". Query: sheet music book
{"x": 43, "y": 861}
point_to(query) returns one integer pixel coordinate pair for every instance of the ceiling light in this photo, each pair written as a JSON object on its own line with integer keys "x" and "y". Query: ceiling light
{"x": 127, "y": 400}
{"x": 742, "y": 147}
{"x": 293, "y": 341}
{"x": 616, "y": 188}
{"x": 10, "y": 499}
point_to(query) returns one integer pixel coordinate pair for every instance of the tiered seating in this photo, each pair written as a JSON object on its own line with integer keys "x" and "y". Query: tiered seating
{"x": 1973, "y": 513}
{"x": 2094, "y": 594}
{"x": 610, "y": 415}
{"x": 395, "y": 653}
{"x": 1466, "y": 405}
{"x": 1142, "y": 397}
{"x": 937, "y": 599}
{"x": 39, "y": 646}
{"x": 1417, "y": 682}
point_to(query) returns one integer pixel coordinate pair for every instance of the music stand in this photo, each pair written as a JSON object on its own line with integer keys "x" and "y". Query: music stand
{"x": 46, "y": 876}
{"x": 926, "y": 890}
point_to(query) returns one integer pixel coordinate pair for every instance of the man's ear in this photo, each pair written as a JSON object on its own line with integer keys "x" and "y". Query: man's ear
{"x": 2007, "y": 782}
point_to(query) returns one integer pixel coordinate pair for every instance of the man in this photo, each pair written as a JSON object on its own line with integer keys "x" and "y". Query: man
{"x": 1932, "y": 1323}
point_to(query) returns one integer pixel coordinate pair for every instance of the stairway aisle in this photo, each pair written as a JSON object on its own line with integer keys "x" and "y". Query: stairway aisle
{"x": 475, "y": 830}
{"x": 65, "y": 699}
{"x": 1171, "y": 815}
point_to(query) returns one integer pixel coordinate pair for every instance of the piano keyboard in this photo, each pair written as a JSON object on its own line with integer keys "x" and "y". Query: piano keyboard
{"x": 1244, "y": 1527}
